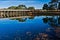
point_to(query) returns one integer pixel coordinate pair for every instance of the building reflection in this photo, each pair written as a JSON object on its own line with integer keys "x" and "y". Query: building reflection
{"x": 32, "y": 17}
{"x": 22, "y": 19}
{"x": 49, "y": 34}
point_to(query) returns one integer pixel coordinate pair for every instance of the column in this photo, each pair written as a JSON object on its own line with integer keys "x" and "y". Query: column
{"x": 1, "y": 14}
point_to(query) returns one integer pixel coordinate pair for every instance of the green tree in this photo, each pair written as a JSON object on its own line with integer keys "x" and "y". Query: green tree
{"x": 51, "y": 7}
{"x": 45, "y": 6}
{"x": 31, "y": 8}
{"x": 59, "y": 6}
{"x": 12, "y": 7}
{"x": 21, "y": 7}
{"x": 53, "y": 4}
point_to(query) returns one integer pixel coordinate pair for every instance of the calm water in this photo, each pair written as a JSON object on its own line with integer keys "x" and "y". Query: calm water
{"x": 32, "y": 28}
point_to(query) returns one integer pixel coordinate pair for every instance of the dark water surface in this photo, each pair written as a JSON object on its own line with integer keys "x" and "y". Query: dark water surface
{"x": 32, "y": 28}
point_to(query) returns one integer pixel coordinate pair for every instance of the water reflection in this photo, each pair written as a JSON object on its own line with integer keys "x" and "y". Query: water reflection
{"x": 33, "y": 28}
{"x": 32, "y": 17}
{"x": 20, "y": 19}
{"x": 52, "y": 21}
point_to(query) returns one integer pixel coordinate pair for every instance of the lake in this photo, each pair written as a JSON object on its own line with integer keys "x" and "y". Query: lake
{"x": 30, "y": 28}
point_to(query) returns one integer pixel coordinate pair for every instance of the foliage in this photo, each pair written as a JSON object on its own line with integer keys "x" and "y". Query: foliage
{"x": 31, "y": 8}
{"x": 12, "y": 7}
{"x": 59, "y": 6}
{"x": 52, "y": 5}
{"x": 18, "y": 7}
{"x": 21, "y": 7}
{"x": 45, "y": 6}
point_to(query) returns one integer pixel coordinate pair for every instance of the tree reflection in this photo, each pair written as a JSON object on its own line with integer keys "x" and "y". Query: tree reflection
{"x": 20, "y": 19}
{"x": 45, "y": 20}
{"x": 59, "y": 20}
{"x": 32, "y": 17}
{"x": 52, "y": 21}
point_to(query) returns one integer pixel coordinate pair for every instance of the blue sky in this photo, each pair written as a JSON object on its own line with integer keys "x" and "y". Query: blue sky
{"x": 36, "y": 3}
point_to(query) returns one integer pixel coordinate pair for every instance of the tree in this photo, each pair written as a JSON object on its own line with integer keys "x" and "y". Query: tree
{"x": 59, "y": 6}
{"x": 21, "y": 7}
{"x": 18, "y": 7}
{"x": 51, "y": 7}
{"x": 31, "y": 8}
{"x": 12, "y": 7}
{"x": 45, "y": 6}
